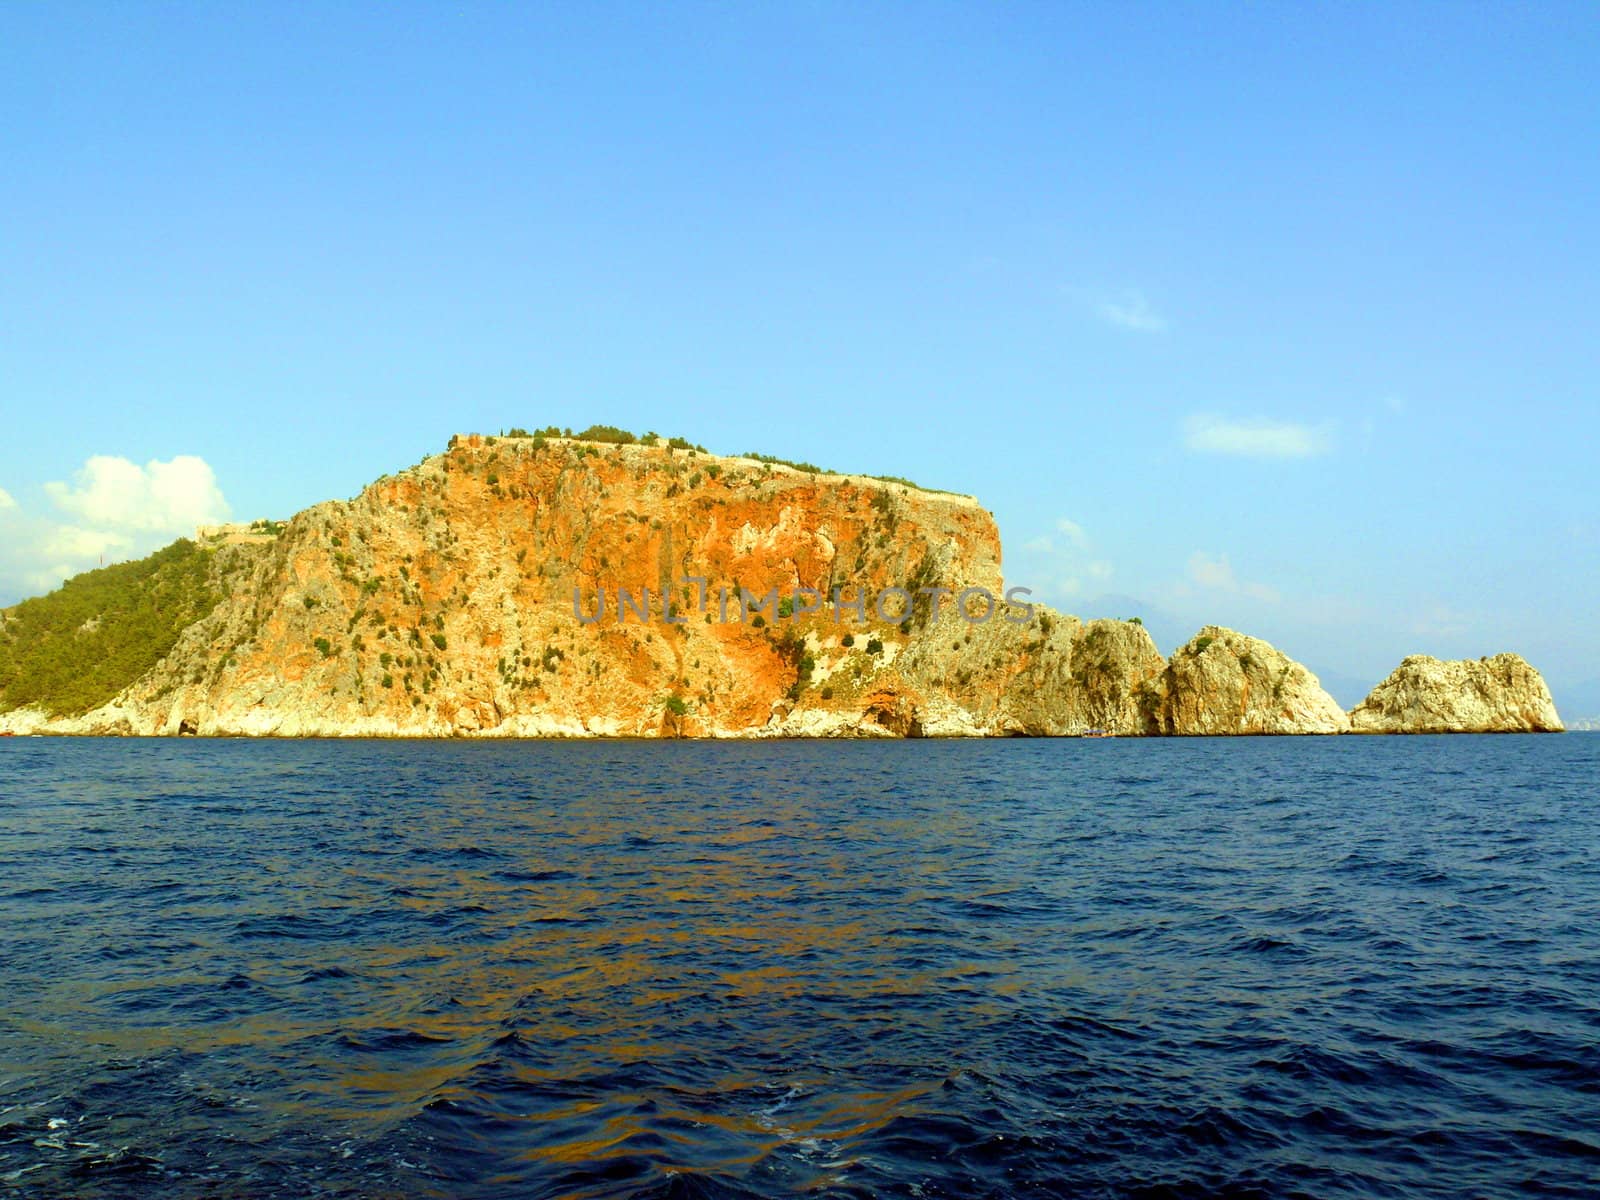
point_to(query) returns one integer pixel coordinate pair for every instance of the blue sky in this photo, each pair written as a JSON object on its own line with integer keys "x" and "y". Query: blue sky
{"x": 1278, "y": 316}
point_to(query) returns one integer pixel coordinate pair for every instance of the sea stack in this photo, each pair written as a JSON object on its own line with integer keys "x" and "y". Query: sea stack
{"x": 1225, "y": 682}
{"x": 1423, "y": 694}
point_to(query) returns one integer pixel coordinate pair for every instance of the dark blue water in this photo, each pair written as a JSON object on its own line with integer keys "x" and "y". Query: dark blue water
{"x": 1359, "y": 967}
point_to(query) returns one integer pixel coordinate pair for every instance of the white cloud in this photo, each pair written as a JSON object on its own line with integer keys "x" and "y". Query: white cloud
{"x": 1132, "y": 311}
{"x": 1216, "y": 574}
{"x": 69, "y": 542}
{"x": 161, "y": 497}
{"x": 1065, "y": 556}
{"x": 1074, "y": 532}
{"x": 1209, "y": 434}
{"x": 38, "y": 583}
{"x": 1071, "y": 531}
{"x": 1212, "y": 572}
{"x": 1443, "y": 621}
{"x": 117, "y": 510}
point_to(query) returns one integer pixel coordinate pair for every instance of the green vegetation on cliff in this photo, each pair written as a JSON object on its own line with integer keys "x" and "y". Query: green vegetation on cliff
{"x": 612, "y": 435}
{"x": 79, "y": 646}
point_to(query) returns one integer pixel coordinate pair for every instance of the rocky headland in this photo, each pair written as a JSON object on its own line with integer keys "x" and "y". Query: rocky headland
{"x": 1502, "y": 694}
{"x": 1225, "y": 682}
{"x": 552, "y": 586}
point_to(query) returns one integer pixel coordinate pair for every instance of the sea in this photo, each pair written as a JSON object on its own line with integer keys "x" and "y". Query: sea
{"x": 1155, "y": 968}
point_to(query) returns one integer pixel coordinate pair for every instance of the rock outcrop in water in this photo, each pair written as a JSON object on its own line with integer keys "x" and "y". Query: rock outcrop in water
{"x": 1051, "y": 676}
{"x": 1502, "y": 694}
{"x": 551, "y": 586}
{"x": 1225, "y": 682}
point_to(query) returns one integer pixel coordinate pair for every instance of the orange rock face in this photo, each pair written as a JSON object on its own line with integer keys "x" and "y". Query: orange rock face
{"x": 442, "y": 599}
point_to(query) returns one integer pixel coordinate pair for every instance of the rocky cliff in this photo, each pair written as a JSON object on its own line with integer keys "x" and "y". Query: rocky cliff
{"x": 1224, "y": 682}
{"x": 552, "y": 586}
{"x": 1047, "y": 676}
{"x": 461, "y": 597}
{"x": 1502, "y": 694}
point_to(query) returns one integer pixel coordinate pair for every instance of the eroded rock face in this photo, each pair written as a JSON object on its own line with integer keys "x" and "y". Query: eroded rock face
{"x": 1225, "y": 682}
{"x": 1047, "y": 675}
{"x": 1423, "y": 694}
{"x": 440, "y": 602}
{"x": 23, "y": 721}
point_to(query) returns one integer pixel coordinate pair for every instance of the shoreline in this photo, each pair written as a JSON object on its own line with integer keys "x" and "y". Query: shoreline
{"x": 761, "y": 736}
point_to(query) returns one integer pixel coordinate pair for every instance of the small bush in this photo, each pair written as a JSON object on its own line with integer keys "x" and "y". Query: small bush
{"x": 607, "y": 433}
{"x": 439, "y": 641}
{"x": 766, "y": 461}
{"x": 848, "y": 639}
{"x": 677, "y": 706}
{"x": 874, "y": 646}
{"x": 324, "y": 646}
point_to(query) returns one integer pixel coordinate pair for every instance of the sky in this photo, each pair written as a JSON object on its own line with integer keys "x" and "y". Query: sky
{"x": 1281, "y": 317}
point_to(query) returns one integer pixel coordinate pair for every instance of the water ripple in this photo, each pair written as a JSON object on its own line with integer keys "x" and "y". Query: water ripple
{"x": 1257, "y": 967}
